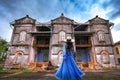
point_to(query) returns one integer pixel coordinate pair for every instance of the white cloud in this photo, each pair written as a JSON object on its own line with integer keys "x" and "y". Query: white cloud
{"x": 97, "y": 10}
{"x": 115, "y": 35}
{"x": 116, "y": 21}
{"x": 5, "y": 31}
{"x": 78, "y": 10}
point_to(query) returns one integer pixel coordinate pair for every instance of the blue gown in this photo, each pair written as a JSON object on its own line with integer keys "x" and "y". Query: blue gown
{"x": 68, "y": 69}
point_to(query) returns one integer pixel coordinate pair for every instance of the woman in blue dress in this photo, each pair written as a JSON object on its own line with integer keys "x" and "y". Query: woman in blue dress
{"x": 68, "y": 69}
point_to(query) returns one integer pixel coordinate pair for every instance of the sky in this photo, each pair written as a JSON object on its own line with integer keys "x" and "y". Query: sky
{"x": 45, "y": 10}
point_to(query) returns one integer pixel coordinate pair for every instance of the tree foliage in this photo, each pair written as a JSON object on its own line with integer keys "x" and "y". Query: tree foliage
{"x": 3, "y": 48}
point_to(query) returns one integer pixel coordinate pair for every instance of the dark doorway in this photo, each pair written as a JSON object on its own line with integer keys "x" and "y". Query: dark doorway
{"x": 42, "y": 55}
{"x": 119, "y": 60}
{"x": 83, "y": 55}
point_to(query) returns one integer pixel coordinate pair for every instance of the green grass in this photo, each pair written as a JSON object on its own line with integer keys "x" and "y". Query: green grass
{"x": 16, "y": 79}
{"x": 26, "y": 70}
{"x": 20, "y": 70}
{"x": 2, "y": 70}
{"x": 55, "y": 79}
{"x": 15, "y": 70}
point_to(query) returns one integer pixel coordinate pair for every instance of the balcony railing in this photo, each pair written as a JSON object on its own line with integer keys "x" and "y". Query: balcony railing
{"x": 83, "y": 45}
{"x": 41, "y": 45}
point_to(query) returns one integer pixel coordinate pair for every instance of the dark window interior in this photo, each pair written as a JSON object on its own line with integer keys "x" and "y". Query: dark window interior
{"x": 43, "y": 28}
{"x": 82, "y": 40}
{"x": 42, "y": 40}
{"x": 81, "y": 28}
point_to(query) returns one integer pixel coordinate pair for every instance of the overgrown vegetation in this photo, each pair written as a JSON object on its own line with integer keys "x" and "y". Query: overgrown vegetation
{"x": 2, "y": 69}
{"x": 3, "y": 49}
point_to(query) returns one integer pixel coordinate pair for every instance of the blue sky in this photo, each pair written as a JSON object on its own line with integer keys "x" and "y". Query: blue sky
{"x": 45, "y": 10}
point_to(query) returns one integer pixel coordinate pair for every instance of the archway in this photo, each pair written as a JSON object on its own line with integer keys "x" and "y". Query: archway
{"x": 19, "y": 56}
{"x": 104, "y": 57}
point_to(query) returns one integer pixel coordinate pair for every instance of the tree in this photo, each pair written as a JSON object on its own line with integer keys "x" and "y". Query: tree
{"x": 3, "y": 49}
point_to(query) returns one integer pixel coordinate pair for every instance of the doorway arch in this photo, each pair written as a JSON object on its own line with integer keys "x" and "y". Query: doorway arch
{"x": 104, "y": 57}
{"x": 19, "y": 56}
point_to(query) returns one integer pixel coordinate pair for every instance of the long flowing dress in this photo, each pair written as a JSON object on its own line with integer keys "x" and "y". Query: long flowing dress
{"x": 68, "y": 69}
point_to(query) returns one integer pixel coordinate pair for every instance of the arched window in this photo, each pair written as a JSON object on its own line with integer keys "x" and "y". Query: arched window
{"x": 101, "y": 36}
{"x": 19, "y": 58}
{"x": 22, "y": 37}
{"x": 62, "y": 36}
{"x": 105, "y": 57}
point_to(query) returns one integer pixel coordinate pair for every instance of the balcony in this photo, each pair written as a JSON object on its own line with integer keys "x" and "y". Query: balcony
{"x": 42, "y": 45}
{"x": 82, "y": 41}
{"x": 41, "y": 41}
{"x": 83, "y": 45}
{"x": 83, "y": 33}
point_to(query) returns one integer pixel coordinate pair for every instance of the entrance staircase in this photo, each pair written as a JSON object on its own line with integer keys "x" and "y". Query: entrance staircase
{"x": 41, "y": 66}
{"x": 47, "y": 66}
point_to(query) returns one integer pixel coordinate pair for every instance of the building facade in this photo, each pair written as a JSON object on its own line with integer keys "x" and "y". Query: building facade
{"x": 33, "y": 42}
{"x": 117, "y": 47}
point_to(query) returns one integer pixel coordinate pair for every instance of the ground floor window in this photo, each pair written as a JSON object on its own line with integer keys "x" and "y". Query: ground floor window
{"x": 105, "y": 57}
{"x": 18, "y": 56}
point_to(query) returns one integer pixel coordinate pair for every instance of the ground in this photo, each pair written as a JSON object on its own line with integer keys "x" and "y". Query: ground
{"x": 49, "y": 75}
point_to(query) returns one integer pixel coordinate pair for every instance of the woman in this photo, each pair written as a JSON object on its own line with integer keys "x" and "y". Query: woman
{"x": 68, "y": 69}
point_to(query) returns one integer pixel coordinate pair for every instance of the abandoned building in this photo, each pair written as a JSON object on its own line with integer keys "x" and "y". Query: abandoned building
{"x": 33, "y": 42}
{"x": 117, "y": 47}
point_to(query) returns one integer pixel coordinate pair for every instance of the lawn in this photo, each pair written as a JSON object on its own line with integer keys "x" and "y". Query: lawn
{"x": 102, "y": 79}
{"x": 56, "y": 79}
{"x": 23, "y": 74}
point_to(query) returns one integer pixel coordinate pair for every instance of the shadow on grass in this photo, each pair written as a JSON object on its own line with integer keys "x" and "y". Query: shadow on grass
{"x": 102, "y": 79}
{"x": 55, "y": 79}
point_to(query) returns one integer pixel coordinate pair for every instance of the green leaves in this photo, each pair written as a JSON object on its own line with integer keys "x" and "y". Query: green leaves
{"x": 3, "y": 48}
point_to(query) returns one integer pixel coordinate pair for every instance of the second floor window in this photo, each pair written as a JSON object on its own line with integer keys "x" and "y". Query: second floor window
{"x": 22, "y": 37}
{"x": 101, "y": 36}
{"x": 62, "y": 35}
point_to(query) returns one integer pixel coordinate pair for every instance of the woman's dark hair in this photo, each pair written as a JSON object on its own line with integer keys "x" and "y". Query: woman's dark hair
{"x": 69, "y": 44}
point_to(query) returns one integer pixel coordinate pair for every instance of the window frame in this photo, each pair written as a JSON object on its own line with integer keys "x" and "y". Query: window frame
{"x": 21, "y": 38}
{"x": 101, "y": 36}
{"x": 17, "y": 54}
{"x": 62, "y": 36}
{"x": 106, "y": 56}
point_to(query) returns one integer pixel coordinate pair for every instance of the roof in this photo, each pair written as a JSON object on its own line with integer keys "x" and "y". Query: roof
{"x": 24, "y": 20}
{"x": 117, "y": 43}
{"x": 62, "y": 19}
{"x": 98, "y": 20}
